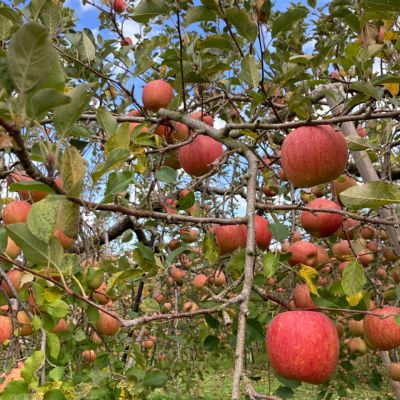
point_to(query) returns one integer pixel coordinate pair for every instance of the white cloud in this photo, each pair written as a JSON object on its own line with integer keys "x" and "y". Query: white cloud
{"x": 219, "y": 123}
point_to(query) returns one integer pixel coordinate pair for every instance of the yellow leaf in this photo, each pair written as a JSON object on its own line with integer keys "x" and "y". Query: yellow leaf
{"x": 354, "y": 299}
{"x": 163, "y": 69}
{"x": 309, "y": 274}
{"x": 393, "y": 88}
{"x": 391, "y": 36}
{"x": 250, "y": 134}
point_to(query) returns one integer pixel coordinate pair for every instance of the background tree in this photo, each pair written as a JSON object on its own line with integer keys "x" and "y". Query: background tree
{"x": 167, "y": 197}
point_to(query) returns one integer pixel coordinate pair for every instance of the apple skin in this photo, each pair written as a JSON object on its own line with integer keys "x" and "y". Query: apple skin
{"x": 24, "y": 322}
{"x": 321, "y": 224}
{"x": 100, "y": 294}
{"x": 61, "y": 326}
{"x": 190, "y": 306}
{"x": 126, "y": 41}
{"x": 394, "y": 371}
{"x": 119, "y": 6}
{"x": 6, "y": 328}
{"x": 177, "y": 275}
{"x": 343, "y": 183}
{"x": 263, "y": 234}
{"x": 66, "y": 241}
{"x": 107, "y": 325}
{"x": 302, "y": 298}
{"x": 157, "y": 94}
{"x": 12, "y": 249}
{"x": 218, "y": 279}
{"x": 15, "y": 277}
{"x": 200, "y": 281}
{"x": 322, "y": 256}
{"x": 341, "y": 250}
{"x": 348, "y": 229}
{"x": 89, "y": 356}
{"x": 357, "y": 346}
{"x": 382, "y": 333}
{"x": 196, "y": 158}
{"x": 230, "y": 237}
{"x": 14, "y": 375}
{"x": 207, "y": 119}
{"x": 356, "y": 328}
{"x": 312, "y": 155}
{"x": 303, "y": 345}
{"x": 15, "y": 212}
{"x": 389, "y": 254}
{"x": 303, "y": 252}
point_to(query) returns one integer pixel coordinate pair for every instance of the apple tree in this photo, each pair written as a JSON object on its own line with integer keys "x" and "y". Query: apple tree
{"x": 223, "y": 180}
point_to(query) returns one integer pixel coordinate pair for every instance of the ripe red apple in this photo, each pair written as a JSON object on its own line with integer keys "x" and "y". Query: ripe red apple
{"x": 197, "y": 157}
{"x": 282, "y": 175}
{"x": 190, "y": 306}
{"x": 207, "y": 119}
{"x": 348, "y": 229}
{"x": 322, "y": 256}
{"x": 341, "y": 250}
{"x": 263, "y": 234}
{"x": 66, "y": 241}
{"x": 396, "y": 274}
{"x": 365, "y": 257}
{"x": 302, "y": 298}
{"x": 389, "y": 254}
{"x": 119, "y": 6}
{"x": 270, "y": 188}
{"x": 61, "y": 326}
{"x": 356, "y": 328}
{"x": 321, "y": 224}
{"x": 312, "y": 155}
{"x": 380, "y": 39}
{"x": 6, "y": 328}
{"x": 230, "y": 237}
{"x": 15, "y": 212}
{"x": 159, "y": 298}
{"x": 381, "y": 273}
{"x": 106, "y": 324}
{"x": 177, "y": 275}
{"x": 148, "y": 344}
{"x": 100, "y": 294}
{"x": 218, "y": 278}
{"x": 157, "y": 94}
{"x": 200, "y": 281}
{"x": 15, "y": 277}
{"x": 13, "y": 375}
{"x": 394, "y": 371}
{"x": 303, "y": 252}
{"x": 362, "y": 132}
{"x": 188, "y": 235}
{"x": 357, "y": 346}
{"x": 12, "y": 249}
{"x": 126, "y": 41}
{"x": 303, "y": 345}
{"x": 24, "y": 324}
{"x": 180, "y": 133}
{"x": 383, "y": 333}
{"x": 342, "y": 183}
{"x": 89, "y": 356}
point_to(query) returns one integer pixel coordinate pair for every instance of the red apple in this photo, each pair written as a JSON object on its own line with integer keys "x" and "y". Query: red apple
{"x": 389, "y": 254}
{"x": 66, "y": 241}
{"x": 356, "y": 328}
{"x": 218, "y": 278}
{"x": 126, "y": 41}
{"x": 312, "y": 155}
{"x": 302, "y": 298}
{"x": 365, "y": 257}
{"x": 6, "y": 328}
{"x": 362, "y": 132}
{"x": 15, "y": 277}
{"x": 106, "y": 324}
{"x": 263, "y": 234}
{"x": 61, "y": 326}
{"x": 303, "y": 345}
{"x": 197, "y": 157}
{"x": 303, "y": 252}
{"x": 100, "y": 294}
{"x": 12, "y": 249}
{"x": 230, "y": 237}
{"x": 24, "y": 324}
{"x": 348, "y": 229}
{"x": 357, "y": 346}
{"x": 190, "y": 306}
{"x": 321, "y": 224}
{"x": 394, "y": 371}
{"x": 322, "y": 256}
{"x": 119, "y": 6}
{"x": 15, "y": 212}
{"x": 188, "y": 235}
{"x": 157, "y": 94}
{"x": 200, "y": 281}
{"x": 341, "y": 250}
{"x": 177, "y": 275}
{"x": 207, "y": 119}
{"x": 89, "y": 356}
{"x": 383, "y": 333}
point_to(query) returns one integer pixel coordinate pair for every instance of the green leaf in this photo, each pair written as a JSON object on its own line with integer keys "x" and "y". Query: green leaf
{"x": 270, "y": 263}
{"x": 57, "y": 309}
{"x": 35, "y": 250}
{"x": 285, "y": 20}
{"x": 284, "y": 392}
{"x": 51, "y": 16}
{"x": 371, "y": 195}
{"x": 172, "y": 256}
{"x": 387, "y": 78}
{"x": 31, "y": 366}
{"x": 211, "y": 343}
{"x": 210, "y": 248}
{"x": 197, "y": 14}
{"x": 56, "y": 373}
{"x": 155, "y": 378}
{"x": 106, "y": 120}
{"x": 117, "y": 183}
{"x": 357, "y": 143}
{"x": 367, "y": 89}
{"x": 68, "y": 217}
{"x": 86, "y": 49}
{"x": 148, "y": 9}
{"x": 166, "y": 174}
{"x": 250, "y": 71}
{"x": 353, "y": 278}
{"x": 30, "y": 185}
{"x": 3, "y": 239}
{"x": 28, "y": 56}
{"x": 54, "y": 394}
{"x": 42, "y": 217}
{"x": 115, "y": 157}
{"x": 16, "y": 390}
{"x": 73, "y": 170}
{"x": 5, "y": 27}
{"x": 186, "y": 201}
{"x": 53, "y": 343}
{"x": 44, "y": 100}
{"x": 216, "y": 42}
{"x": 35, "y": 7}
{"x": 36, "y": 322}
{"x": 119, "y": 139}
{"x": 381, "y": 5}
{"x": 243, "y": 23}
{"x": 66, "y": 116}
{"x": 279, "y": 231}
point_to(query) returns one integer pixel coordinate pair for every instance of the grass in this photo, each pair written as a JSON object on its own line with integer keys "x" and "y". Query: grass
{"x": 216, "y": 385}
